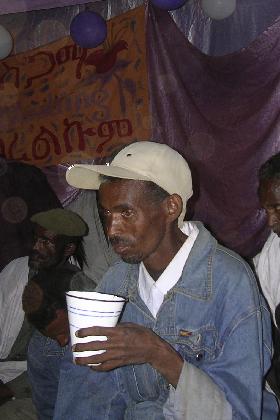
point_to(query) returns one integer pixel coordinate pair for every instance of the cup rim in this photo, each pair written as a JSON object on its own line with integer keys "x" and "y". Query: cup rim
{"x": 121, "y": 299}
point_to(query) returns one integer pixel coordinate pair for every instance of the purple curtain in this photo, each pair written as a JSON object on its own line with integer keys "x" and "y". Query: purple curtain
{"x": 57, "y": 181}
{"x": 222, "y": 114}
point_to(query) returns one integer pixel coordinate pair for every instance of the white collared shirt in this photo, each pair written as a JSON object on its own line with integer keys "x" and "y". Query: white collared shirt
{"x": 153, "y": 292}
{"x": 267, "y": 265}
{"x": 13, "y": 279}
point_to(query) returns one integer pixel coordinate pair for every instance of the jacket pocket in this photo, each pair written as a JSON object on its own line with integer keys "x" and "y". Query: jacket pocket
{"x": 197, "y": 346}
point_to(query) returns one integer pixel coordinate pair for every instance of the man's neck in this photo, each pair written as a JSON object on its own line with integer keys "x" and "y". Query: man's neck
{"x": 157, "y": 263}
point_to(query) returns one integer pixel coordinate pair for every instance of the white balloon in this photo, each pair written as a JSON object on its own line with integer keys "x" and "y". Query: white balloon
{"x": 6, "y": 42}
{"x": 218, "y": 9}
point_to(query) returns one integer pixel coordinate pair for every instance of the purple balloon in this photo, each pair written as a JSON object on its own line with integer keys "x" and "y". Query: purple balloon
{"x": 168, "y": 4}
{"x": 88, "y": 29}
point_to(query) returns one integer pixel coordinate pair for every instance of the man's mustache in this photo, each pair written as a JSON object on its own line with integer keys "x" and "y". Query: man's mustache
{"x": 117, "y": 240}
{"x": 35, "y": 254}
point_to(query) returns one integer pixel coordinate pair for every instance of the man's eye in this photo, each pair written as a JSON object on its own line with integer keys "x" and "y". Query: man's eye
{"x": 127, "y": 213}
{"x": 46, "y": 242}
{"x": 269, "y": 209}
{"x": 105, "y": 212}
{"x": 277, "y": 208}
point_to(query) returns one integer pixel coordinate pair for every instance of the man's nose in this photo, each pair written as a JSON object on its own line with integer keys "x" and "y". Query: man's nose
{"x": 113, "y": 226}
{"x": 272, "y": 218}
{"x": 36, "y": 245}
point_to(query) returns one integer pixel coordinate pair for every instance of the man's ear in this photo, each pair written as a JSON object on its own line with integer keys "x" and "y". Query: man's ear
{"x": 70, "y": 249}
{"x": 174, "y": 206}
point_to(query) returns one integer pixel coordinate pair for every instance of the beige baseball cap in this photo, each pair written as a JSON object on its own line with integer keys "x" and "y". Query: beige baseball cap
{"x": 142, "y": 161}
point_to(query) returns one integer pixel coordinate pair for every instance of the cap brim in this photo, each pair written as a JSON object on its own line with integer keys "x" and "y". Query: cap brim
{"x": 88, "y": 176}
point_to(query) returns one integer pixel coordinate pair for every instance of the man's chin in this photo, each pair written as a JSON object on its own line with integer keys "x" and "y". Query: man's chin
{"x": 35, "y": 265}
{"x": 131, "y": 259}
{"x": 277, "y": 232}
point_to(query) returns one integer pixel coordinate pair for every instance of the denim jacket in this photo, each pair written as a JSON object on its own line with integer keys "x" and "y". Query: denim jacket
{"x": 214, "y": 317}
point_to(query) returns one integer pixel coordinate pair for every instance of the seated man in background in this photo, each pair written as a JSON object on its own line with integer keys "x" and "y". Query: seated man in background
{"x": 194, "y": 341}
{"x": 267, "y": 262}
{"x": 58, "y": 236}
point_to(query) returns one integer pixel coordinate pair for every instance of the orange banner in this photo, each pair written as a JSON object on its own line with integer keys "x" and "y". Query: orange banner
{"x": 62, "y": 103}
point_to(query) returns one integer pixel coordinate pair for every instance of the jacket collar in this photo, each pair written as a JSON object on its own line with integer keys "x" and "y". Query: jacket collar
{"x": 196, "y": 279}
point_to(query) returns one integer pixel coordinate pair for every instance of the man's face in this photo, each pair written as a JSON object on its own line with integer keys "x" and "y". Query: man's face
{"x": 48, "y": 249}
{"x": 269, "y": 193}
{"x": 134, "y": 226}
{"x": 58, "y": 329}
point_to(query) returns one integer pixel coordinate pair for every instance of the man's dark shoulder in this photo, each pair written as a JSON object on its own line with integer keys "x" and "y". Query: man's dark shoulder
{"x": 80, "y": 281}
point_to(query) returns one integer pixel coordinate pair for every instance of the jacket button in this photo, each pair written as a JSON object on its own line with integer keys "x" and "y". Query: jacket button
{"x": 199, "y": 356}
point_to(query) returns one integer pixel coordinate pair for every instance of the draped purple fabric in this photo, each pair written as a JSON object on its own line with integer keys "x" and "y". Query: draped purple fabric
{"x": 222, "y": 115}
{"x": 57, "y": 181}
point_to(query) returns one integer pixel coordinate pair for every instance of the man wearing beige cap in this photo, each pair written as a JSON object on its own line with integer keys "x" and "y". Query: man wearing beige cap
{"x": 194, "y": 338}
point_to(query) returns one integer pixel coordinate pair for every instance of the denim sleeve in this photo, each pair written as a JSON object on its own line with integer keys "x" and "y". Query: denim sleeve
{"x": 242, "y": 364}
{"x": 81, "y": 392}
{"x": 239, "y": 368}
{"x": 231, "y": 388}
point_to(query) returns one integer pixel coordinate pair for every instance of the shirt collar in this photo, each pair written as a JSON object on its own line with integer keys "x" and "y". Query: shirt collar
{"x": 152, "y": 292}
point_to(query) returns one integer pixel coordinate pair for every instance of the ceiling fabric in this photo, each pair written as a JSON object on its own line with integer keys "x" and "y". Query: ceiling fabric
{"x": 39, "y": 27}
{"x": 14, "y": 6}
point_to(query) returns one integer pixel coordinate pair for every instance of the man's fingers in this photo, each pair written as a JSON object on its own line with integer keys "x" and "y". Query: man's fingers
{"x": 92, "y": 331}
{"x": 85, "y": 332}
{"x": 108, "y": 365}
{"x": 87, "y": 360}
{"x": 100, "y": 359}
{"x": 126, "y": 344}
{"x": 91, "y": 346}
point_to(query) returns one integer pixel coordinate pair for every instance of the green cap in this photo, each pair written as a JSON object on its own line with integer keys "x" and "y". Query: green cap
{"x": 61, "y": 222}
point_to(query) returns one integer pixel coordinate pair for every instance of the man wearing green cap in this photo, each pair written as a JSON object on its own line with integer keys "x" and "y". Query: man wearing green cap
{"x": 58, "y": 237}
